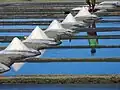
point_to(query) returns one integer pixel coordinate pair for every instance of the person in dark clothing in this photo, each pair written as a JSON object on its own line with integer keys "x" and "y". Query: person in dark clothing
{"x": 91, "y": 4}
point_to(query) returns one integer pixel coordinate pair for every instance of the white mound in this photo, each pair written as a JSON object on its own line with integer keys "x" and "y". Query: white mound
{"x": 37, "y": 33}
{"x": 83, "y": 12}
{"x": 77, "y": 8}
{"x": 69, "y": 19}
{"x": 55, "y": 25}
{"x": 16, "y": 44}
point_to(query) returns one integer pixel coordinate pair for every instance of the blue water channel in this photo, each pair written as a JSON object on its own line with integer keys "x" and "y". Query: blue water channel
{"x": 71, "y": 68}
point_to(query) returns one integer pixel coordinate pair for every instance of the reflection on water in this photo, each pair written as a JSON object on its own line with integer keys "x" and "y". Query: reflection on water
{"x": 61, "y": 87}
{"x": 92, "y": 42}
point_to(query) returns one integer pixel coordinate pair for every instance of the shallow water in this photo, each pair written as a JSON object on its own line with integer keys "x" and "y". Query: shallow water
{"x": 98, "y": 25}
{"x": 110, "y": 18}
{"x": 42, "y": 19}
{"x": 71, "y": 68}
{"x": 61, "y": 87}
{"x": 50, "y": 19}
{"x": 112, "y": 25}
{"x": 22, "y": 27}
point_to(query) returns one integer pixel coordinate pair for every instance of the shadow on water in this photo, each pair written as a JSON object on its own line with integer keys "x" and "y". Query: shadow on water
{"x": 60, "y": 87}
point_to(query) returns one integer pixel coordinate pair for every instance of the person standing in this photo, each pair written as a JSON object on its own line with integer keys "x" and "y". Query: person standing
{"x": 91, "y": 4}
